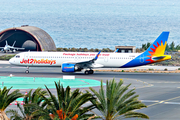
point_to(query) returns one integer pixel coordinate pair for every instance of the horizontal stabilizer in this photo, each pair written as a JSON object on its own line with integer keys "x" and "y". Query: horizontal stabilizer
{"x": 158, "y": 58}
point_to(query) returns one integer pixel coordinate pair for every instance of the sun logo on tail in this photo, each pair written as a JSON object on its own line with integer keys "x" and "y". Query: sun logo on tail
{"x": 158, "y": 50}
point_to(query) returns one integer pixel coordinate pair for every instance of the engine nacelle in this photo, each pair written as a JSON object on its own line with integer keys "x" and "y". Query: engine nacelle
{"x": 14, "y": 51}
{"x": 68, "y": 67}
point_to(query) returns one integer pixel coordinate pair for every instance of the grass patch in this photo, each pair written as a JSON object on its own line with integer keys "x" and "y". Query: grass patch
{"x": 151, "y": 69}
{"x": 6, "y": 57}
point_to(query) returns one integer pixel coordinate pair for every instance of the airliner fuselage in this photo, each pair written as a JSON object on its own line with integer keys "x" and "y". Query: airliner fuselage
{"x": 51, "y": 59}
{"x": 76, "y": 61}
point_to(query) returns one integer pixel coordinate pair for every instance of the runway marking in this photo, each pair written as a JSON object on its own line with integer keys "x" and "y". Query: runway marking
{"x": 165, "y": 101}
{"x": 84, "y": 82}
{"x": 149, "y": 100}
{"x": 172, "y": 103}
{"x": 11, "y": 67}
{"x": 160, "y": 102}
{"x": 144, "y": 84}
{"x": 17, "y": 67}
{"x": 165, "y": 82}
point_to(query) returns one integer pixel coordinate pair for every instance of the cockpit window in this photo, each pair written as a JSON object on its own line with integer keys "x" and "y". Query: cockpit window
{"x": 17, "y": 56}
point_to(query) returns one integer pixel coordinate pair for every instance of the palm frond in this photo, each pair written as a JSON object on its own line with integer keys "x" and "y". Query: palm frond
{"x": 14, "y": 115}
{"x": 136, "y": 114}
{"x": 6, "y": 98}
{"x": 116, "y": 101}
{"x": 70, "y": 103}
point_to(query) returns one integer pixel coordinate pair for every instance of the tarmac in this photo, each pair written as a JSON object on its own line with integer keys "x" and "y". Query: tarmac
{"x": 159, "y": 91}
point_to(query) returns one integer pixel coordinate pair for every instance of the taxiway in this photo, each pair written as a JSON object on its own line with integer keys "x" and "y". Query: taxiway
{"x": 159, "y": 91}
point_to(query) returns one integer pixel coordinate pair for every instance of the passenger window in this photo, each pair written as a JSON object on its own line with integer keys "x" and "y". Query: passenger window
{"x": 17, "y": 56}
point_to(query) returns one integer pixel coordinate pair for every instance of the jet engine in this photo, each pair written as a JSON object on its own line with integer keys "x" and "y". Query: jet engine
{"x": 14, "y": 51}
{"x": 68, "y": 67}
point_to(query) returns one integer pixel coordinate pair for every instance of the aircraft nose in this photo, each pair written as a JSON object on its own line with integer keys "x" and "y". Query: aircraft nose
{"x": 5, "y": 48}
{"x": 11, "y": 61}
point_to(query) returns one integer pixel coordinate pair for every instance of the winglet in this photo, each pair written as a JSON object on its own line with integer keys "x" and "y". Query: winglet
{"x": 116, "y": 50}
{"x": 97, "y": 55}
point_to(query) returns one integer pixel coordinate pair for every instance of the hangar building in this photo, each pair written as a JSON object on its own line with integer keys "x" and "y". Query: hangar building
{"x": 28, "y": 37}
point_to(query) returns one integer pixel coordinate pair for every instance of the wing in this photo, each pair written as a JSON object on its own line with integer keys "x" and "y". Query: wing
{"x": 16, "y": 48}
{"x": 87, "y": 64}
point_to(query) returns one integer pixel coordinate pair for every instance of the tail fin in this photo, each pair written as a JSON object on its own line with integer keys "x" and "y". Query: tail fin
{"x": 6, "y": 42}
{"x": 155, "y": 53}
{"x": 159, "y": 45}
{"x": 13, "y": 43}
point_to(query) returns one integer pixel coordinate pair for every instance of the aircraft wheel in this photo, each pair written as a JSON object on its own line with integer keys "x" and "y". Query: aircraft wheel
{"x": 27, "y": 71}
{"x": 86, "y": 72}
{"x": 91, "y": 72}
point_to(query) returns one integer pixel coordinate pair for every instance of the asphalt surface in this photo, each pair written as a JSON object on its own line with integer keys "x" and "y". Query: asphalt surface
{"x": 159, "y": 91}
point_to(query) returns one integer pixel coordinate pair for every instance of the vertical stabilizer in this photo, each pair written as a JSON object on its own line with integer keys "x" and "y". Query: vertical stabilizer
{"x": 159, "y": 45}
{"x": 14, "y": 43}
{"x": 155, "y": 53}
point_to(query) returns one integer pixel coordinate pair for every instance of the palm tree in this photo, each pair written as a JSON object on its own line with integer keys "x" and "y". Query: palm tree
{"x": 116, "y": 102}
{"x": 67, "y": 104}
{"x": 5, "y": 99}
{"x": 32, "y": 102}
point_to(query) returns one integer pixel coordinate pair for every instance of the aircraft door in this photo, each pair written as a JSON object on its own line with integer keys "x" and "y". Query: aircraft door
{"x": 26, "y": 56}
{"x": 141, "y": 58}
{"x": 105, "y": 59}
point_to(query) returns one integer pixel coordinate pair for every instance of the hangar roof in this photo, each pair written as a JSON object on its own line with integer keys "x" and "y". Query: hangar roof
{"x": 39, "y": 36}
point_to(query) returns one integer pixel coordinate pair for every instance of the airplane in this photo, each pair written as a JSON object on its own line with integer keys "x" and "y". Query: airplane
{"x": 10, "y": 48}
{"x": 77, "y": 61}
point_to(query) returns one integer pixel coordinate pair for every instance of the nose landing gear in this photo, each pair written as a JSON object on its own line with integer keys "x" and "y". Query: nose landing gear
{"x": 27, "y": 71}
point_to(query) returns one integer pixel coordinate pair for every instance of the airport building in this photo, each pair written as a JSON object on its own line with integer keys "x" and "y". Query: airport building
{"x": 125, "y": 49}
{"x": 28, "y": 37}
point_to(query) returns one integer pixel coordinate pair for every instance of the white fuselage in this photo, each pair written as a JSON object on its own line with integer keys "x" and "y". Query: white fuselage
{"x": 46, "y": 59}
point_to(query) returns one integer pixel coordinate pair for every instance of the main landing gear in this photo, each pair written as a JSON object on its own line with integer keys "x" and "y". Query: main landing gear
{"x": 27, "y": 71}
{"x": 88, "y": 72}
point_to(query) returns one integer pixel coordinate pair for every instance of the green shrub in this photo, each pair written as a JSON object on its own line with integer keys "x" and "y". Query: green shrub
{"x": 151, "y": 69}
{"x": 165, "y": 69}
{"x": 178, "y": 68}
{"x": 6, "y": 57}
{"x": 122, "y": 71}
